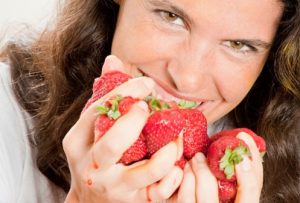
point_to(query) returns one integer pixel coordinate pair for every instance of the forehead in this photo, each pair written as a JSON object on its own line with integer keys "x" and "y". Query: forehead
{"x": 233, "y": 16}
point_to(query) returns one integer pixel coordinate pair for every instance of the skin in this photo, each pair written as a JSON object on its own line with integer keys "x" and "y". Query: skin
{"x": 197, "y": 58}
{"x": 199, "y": 55}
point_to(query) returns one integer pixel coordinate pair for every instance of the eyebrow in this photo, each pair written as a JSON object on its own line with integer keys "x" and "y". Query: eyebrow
{"x": 169, "y": 5}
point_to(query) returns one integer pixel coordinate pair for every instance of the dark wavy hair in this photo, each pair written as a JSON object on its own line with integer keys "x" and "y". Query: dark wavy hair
{"x": 53, "y": 77}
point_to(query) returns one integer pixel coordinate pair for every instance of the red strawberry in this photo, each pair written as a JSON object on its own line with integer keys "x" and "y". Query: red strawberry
{"x": 224, "y": 152}
{"x": 195, "y": 138}
{"x": 109, "y": 113}
{"x": 259, "y": 141}
{"x": 161, "y": 128}
{"x": 227, "y": 191}
{"x": 168, "y": 119}
{"x": 105, "y": 83}
{"x": 164, "y": 126}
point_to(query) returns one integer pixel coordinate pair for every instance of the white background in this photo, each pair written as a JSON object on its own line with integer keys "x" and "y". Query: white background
{"x": 14, "y": 13}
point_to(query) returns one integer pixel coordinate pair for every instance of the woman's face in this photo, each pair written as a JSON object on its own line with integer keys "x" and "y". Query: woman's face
{"x": 209, "y": 51}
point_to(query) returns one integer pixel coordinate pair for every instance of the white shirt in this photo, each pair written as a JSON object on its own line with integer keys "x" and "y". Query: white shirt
{"x": 20, "y": 179}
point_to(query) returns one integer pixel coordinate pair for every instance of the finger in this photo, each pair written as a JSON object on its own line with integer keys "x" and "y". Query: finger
{"x": 136, "y": 87}
{"x": 255, "y": 154}
{"x": 206, "y": 183}
{"x": 249, "y": 182}
{"x": 76, "y": 144}
{"x": 121, "y": 136}
{"x": 112, "y": 63}
{"x": 165, "y": 188}
{"x": 153, "y": 169}
{"x": 186, "y": 193}
{"x": 81, "y": 135}
{"x": 103, "y": 180}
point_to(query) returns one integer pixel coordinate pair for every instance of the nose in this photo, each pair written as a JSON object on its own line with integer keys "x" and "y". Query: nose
{"x": 191, "y": 68}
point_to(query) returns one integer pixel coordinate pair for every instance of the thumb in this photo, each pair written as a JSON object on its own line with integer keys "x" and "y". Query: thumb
{"x": 112, "y": 63}
{"x": 249, "y": 183}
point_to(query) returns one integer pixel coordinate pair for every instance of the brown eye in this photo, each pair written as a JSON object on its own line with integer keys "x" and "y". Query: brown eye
{"x": 171, "y": 18}
{"x": 237, "y": 45}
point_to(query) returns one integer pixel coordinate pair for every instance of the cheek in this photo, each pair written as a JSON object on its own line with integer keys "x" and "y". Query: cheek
{"x": 234, "y": 84}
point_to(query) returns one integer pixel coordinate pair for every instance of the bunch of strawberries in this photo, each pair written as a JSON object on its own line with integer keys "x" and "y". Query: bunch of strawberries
{"x": 166, "y": 121}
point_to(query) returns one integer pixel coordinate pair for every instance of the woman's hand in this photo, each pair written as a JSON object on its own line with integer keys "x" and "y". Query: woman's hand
{"x": 96, "y": 175}
{"x": 200, "y": 185}
{"x": 249, "y": 173}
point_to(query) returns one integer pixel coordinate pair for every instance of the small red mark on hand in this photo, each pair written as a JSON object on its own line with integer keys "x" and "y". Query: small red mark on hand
{"x": 89, "y": 182}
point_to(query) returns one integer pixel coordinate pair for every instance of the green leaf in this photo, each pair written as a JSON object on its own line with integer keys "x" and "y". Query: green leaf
{"x": 165, "y": 106}
{"x": 148, "y": 98}
{"x": 102, "y": 109}
{"x": 114, "y": 114}
{"x": 187, "y": 104}
{"x": 225, "y": 159}
{"x": 229, "y": 171}
{"x": 115, "y": 103}
{"x": 231, "y": 158}
{"x": 154, "y": 103}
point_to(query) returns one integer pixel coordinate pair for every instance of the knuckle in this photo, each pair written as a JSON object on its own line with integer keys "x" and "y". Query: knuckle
{"x": 67, "y": 143}
{"x": 110, "y": 148}
{"x": 164, "y": 193}
{"x": 69, "y": 147}
{"x": 155, "y": 172}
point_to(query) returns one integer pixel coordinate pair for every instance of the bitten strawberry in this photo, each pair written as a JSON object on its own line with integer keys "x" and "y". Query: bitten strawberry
{"x": 109, "y": 113}
{"x": 225, "y": 151}
{"x": 165, "y": 125}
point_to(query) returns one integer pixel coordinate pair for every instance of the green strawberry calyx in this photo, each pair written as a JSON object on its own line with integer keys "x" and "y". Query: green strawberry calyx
{"x": 156, "y": 104}
{"x": 112, "y": 110}
{"x": 187, "y": 104}
{"x": 231, "y": 158}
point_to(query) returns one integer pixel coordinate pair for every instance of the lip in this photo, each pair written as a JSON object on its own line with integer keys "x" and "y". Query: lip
{"x": 163, "y": 91}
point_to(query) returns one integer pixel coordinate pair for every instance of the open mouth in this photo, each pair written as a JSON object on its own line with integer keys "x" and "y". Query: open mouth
{"x": 164, "y": 92}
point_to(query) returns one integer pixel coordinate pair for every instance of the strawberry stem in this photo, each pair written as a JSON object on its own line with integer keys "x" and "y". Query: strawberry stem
{"x": 156, "y": 104}
{"x": 231, "y": 158}
{"x": 112, "y": 111}
{"x": 187, "y": 104}
{"x": 102, "y": 110}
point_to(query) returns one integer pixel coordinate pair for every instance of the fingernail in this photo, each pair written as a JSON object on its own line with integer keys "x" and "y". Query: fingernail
{"x": 200, "y": 157}
{"x": 143, "y": 105}
{"x": 113, "y": 63}
{"x": 148, "y": 83}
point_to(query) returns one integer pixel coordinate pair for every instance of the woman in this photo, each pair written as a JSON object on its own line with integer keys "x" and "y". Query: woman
{"x": 240, "y": 60}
